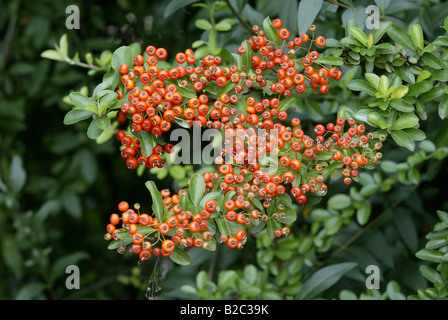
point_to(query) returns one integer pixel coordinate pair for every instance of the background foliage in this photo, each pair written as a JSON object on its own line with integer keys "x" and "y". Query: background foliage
{"x": 57, "y": 186}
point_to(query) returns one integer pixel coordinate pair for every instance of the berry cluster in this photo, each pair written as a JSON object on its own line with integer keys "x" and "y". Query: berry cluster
{"x": 254, "y": 129}
{"x": 132, "y": 152}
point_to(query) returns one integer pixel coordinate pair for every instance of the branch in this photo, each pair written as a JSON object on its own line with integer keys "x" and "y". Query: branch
{"x": 240, "y": 19}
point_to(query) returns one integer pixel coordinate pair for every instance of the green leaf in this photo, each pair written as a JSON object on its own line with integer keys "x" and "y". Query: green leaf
{"x": 71, "y": 202}
{"x": 373, "y": 79}
{"x": 180, "y": 257}
{"x": 226, "y": 278}
{"x": 102, "y": 122}
{"x": 106, "y": 101}
{"x": 443, "y": 108}
{"x": 403, "y": 139}
{"x": 250, "y": 274}
{"x": 213, "y": 46}
{"x": 423, "y": 75}
{"x": 76, "y": 115}
{"x": 52, "y": 55}
{"x": 377, "y": 119}
{"x": 308, "y": 11}
{"x": 332, "y": 225}
{"x": 383, "y": 88}
{"x": 339, "y": 201}
{"x": 417, "y": 35}
{"x": 406, "y": 228}
{"x": 400, "y": 36}
{"x": 332, "y": 61}
{"x": 122, "y": 55}
{"x": 201, "y": 280}
{"x": 324, "y": 279}
{"x": 175, "y": 5}
{"x": 405, "y": 121}
{"x": 146, "y": 141}
{"x": 419, "y": 88}
{"x": 360, "y": 36}
{"x": 430, "y": 255}
{"x": 415, "y": 134}
{"x": 81, "y": 101}
{"x": 270, "y": 30}
{"x": 17, "y": 175}
{"x": 197, "y": 188}
{"x": 363, "y": 213}
{"x": 383, "y": 28}
{"x": 432, "y": 94}
{"x": 157, "y": 201}
{"x": 203, "y": 24}
{"x": 361, "y": 85}
{"x": 93, "y": 131}
{"x": 399, "y": 92}
{"x": 430, "y": 274}
{"x": 401, "y": 105}
{"x": 431, "y": 60}
{"x": 63, "y": 45}
{"x": 225, "y": 24}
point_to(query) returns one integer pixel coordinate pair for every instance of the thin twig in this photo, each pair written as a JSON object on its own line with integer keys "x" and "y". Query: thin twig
{"x": 240, "y": 19}
{"x": 10, "y": 32}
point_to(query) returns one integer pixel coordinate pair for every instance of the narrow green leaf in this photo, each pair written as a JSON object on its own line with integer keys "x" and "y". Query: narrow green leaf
{"x": 430, "y": 274}
{"x": 383, "y": 28}
{"x": 376, "y": 119}
{"x": 324, "y": 279}
{"x": 93, "y": 131}
{"x": 226, "y": 278}
{"x": 146, "y": 141}
{"x": 363, "y": 213}
{"x": 157, "y": 201}
{"x": 180, "y": 257}
{"x": 373, "y": 79}
{"x": 419, "y": 88}
{"x": 361, "y": 85}
{"x": 225, "y": 24}
{"x": 81, "y": 101}
{"x": 203, "y": 24}
{"x": 197, "y": 188}
{"x": 430, "y": 255}
{"x": 400, "y": 36}
{"x": 403, "y": 139}
{"x": 76, "y": 115}
{"x": 405, "y": 121}
{"x": 332, "y": 61}
{"x": 213, "y": 43}
{"x": 308, "y": 11}
{"x": 175, "y": 5}
{"x": 399, "y": 92}
{"x": 52, "y": 55}
{"x": 270, "y": 30}
{"x": 339, "y": 201}
{"x": 360, "y": 36}
{"x": 417, "y": 35}
{"x": 102, "y": 122}
{"x": 430, "y": 60}
{"x": 384, "y": 86}
{"x": 401, "y": 105}
{"x": 443, "y": 108}
{"x": 122, "y": 55}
